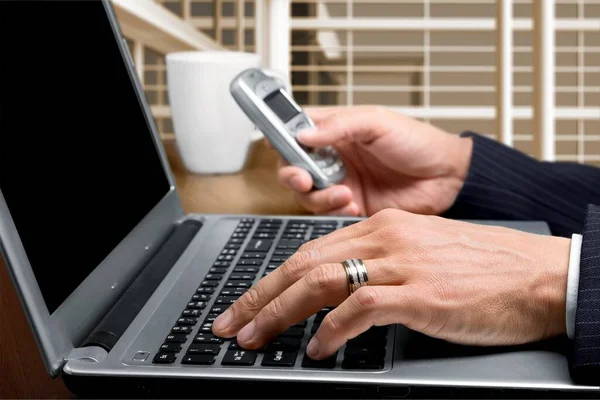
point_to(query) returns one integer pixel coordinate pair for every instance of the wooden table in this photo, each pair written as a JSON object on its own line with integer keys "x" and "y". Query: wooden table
{"x": 254, "y": 190}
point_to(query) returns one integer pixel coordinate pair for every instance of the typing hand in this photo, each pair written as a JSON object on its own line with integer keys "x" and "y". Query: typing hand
{"x": 392, "y": 161}
{"x": 466, "y": 283}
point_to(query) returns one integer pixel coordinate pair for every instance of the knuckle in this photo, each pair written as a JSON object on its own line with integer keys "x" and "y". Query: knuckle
{"x": 367, "y": 298}
{"x": 296, "y": 265}
{"x": 251, "y": 300}
{"x": 274, "y": 310}
{"x": 323, "y": 278}
{"x": 332, "y": 323}
{"x": 384, "y": 215}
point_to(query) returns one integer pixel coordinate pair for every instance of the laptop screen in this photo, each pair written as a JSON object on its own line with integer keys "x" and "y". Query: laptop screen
{"x": 78, "y": 167}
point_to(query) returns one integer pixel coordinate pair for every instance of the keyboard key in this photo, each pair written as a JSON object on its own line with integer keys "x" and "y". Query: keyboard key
{"x": 198, "y": 359}
{"x": 206, "y": 328}
{"x": 233, "y": 345}
{"x": 279, "y": 359}
{"x": 170, "y": 348}
{"x": 244, "y": 269}
{"x": 228, "y": 251}
{"x": 176, "y": 338}
{"x": 293, "y": 332}
{"x": 226, "y": 300}
{"x": 218, "y": 270}
{"x": 264, "y": 235}
{"x": 272, "y": 266}
{"x": 181, "y": 329}
{"x": 365, "y": 351}
{"x": 251, "y": 255}
{"x": 242, "y": 277}
{"x": 226, "y": 257}
{"x": 284, "y": 344}
{"x": 222, "y": 264}
{"x": 209, "y": 284}
{"x": 213, "y": 277}
{"x": 327, "y": 363}
{"x": 239, "y": 357}
{"x": 292, "y": 244}
{"x": 233, "y": 292}
{"x": 278, "y": 260}
{"x": 234, "y": 246}
{"x": 207, "y": 290}
{"x": 164, "y": 358}
{"x": 219, "y": 309}
{"x": 238, "y": 284}
{"x": 362, "y": 362}
{"x": 199, "y": 305}
{"x": 284, "y": 253}
{"x": 191, "y": 312}
{"x": 187, "y": 321}
{"x": 198, "y": 348}
{"x": 250, "y": 261}
{"x": 211, "y": 317}
{"x": 259, "y": 245}
{"x": 201, "y": 297}
{"x": 207, "y": 338}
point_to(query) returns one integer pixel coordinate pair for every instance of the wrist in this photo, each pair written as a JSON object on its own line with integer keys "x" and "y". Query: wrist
{"x": 460, "y": 156}
{"x": 556, "y": 258}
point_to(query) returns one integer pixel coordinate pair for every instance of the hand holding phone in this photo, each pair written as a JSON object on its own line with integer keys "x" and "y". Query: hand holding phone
{"x": 273, "y": 110}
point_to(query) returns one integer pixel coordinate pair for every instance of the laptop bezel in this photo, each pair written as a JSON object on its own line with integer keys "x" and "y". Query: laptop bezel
{"x": 57, "y": 334}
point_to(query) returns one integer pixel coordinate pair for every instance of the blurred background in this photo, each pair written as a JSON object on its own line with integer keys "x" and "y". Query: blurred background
{"x": 525, "y": 72}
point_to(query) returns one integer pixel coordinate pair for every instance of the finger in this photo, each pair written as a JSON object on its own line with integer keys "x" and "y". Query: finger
{"x": 267, "y": 143}
{"x": 349, "y": 210}
{"x": 295, "y": 178}
{"x": 244, "y": 309}
{"x": 317, "y": 114}
{"x": 325, "y": 285}
{"x": 325, "y": 200}
{"x": 368, "y": 306}
{"x": 352, "y": 124}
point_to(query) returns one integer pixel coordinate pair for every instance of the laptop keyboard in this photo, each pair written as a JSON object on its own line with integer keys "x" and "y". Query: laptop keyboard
{"x": 256, "y": 248}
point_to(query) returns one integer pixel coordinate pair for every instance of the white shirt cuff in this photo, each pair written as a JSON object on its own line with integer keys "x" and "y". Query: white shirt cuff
{"x": 573, "y": 284}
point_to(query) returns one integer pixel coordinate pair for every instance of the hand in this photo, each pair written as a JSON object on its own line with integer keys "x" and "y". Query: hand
{"x": 392, "y": 161}
{"x": 465, "y": 283}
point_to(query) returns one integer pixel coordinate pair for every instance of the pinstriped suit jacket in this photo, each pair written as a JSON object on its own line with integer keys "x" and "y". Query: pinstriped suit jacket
{"x": 504, "y": 184}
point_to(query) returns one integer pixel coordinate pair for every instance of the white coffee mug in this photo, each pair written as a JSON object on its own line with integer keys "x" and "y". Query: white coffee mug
{"x": 213, "y": 134}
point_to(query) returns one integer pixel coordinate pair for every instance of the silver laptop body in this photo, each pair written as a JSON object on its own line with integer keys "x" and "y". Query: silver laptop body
{"x": 119, "y": 318}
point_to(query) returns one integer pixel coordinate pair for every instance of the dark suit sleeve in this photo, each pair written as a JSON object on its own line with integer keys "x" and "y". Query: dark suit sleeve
{"x": 585, "y": 366}
{"x": 506, "y": 184}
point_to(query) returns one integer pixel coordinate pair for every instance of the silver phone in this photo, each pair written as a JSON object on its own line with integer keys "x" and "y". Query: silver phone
{"x": 266, "y": 102}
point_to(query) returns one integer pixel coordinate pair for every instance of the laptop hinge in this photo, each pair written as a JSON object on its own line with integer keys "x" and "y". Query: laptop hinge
{"x": 91, "y": 354}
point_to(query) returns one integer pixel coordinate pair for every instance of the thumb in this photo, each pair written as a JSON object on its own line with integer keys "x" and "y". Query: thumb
{"x": 352, "y": 125}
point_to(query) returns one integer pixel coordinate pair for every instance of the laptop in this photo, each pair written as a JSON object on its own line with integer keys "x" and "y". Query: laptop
{"x": 120, "y": 286}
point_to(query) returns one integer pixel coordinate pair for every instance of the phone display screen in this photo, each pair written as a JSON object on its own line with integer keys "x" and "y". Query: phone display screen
{"x": 282, "y": 106}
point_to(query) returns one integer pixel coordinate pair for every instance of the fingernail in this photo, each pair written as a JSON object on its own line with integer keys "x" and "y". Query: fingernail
{"x": 247, "y": 332}
{"x": 306, "y": 134}
{"x": 312, "y": 350}
{"x": 222, "y": 321}
{"x": 337, "y": 198}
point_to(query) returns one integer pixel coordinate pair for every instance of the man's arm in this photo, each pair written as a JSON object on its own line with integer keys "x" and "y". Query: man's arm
{"x": 504, "y": 183}
{"x": 585, "y": 365}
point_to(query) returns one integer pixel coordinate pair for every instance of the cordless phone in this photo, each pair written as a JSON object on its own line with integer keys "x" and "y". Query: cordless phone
{"x": 274, "y": 112}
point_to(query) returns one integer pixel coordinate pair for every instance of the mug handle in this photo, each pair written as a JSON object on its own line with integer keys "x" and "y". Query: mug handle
{"x": 257, "y": 134}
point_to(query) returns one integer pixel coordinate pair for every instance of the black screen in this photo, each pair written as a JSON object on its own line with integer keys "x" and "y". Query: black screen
{"x": 78, "y": 167}
{"x": 281, "y": 106}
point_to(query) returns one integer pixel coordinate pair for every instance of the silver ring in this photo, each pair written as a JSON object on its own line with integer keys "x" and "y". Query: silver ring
{"x": 356, "y": 272}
